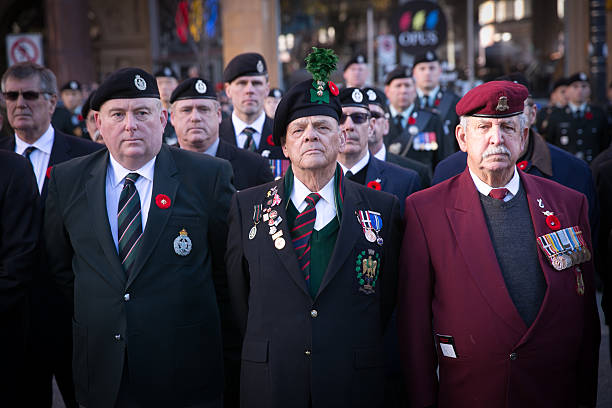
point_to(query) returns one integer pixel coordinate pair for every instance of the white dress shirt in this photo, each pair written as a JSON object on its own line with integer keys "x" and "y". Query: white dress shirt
{"x": 239, "y": 127}
{"x": 485, "y": 189}
{"x": 357, "y": 166}
{"x": 39, "y": 157}
{"x": 577, "y": 108}
{"x": 326, "y": 206}
{"x": 115, "y": 178}
{"x": 431, "y": 97}
{"x": 382, "y": 153}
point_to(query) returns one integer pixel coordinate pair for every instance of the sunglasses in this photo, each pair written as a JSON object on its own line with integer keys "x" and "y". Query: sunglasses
{"x": 377, "y": 115}
{"x": 27, "y": 95}
{"x": 357, "y": 118}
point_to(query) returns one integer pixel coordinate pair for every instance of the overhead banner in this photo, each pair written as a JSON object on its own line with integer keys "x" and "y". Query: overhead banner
{"x": 420, "y": 26}
{"x": 24, "y": 48}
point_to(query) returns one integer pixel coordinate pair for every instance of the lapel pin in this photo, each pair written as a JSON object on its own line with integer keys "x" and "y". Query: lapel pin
{"x": 162, "y": 201}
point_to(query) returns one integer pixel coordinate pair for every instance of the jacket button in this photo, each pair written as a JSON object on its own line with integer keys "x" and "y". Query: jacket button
{"x": 118, "y": 337}
{"x": 307, "y": 352}
{"x": 314, "y": 313}
{"x": 126, "y": 297}
{"x": 513, "y": 356}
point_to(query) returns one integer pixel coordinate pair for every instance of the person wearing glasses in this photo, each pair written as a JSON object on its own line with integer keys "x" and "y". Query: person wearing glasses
{"x": 357, "y": 163}
{"x": 30, "y": 92}
{"x": 415, "y": 133}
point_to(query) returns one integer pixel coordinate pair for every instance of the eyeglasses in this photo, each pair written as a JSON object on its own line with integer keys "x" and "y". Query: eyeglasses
{"x": 27, "y": 95}
{"x": 377, "y": 115}
{"x": 357, "y": 118}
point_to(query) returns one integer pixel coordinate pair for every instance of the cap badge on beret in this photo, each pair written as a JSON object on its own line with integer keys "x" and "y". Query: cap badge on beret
{"x": 357, "y": 96}
{"x": 360, "y": 59}
{"x": 429, "y": 56}
{"x": 277, "y": 93}
{"x": 140, "y": 83}
{"x": 502, "y": 104}
{"x": 320, "y": 63}
{"x": 407, "y": 72}
{"x": 260, "y": 66}
{"x": 73, "y": 85}
{"x": 371, "y": 95}
{"x": 167, "y": 72}
{"x": 583, "y": 76}
{"x": 200, "y": 86}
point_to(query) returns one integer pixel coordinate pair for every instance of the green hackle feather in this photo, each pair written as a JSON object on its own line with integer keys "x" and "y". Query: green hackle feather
{"x": 321, "y": 62}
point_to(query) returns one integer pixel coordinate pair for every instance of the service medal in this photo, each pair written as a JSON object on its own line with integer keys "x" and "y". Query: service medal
{"x": 253, "y": 232}
{"x": 370, "y": 235}
{"x": 279, "y": 243}
{"x": 182, "y": 243}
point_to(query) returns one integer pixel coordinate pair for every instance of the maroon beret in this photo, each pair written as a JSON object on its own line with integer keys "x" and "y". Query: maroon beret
{"x": 495, "y": 99}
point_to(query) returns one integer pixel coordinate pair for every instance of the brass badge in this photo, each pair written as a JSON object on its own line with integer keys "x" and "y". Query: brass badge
{"x": 367, "y": 269}
{"x": 502, "y": 104}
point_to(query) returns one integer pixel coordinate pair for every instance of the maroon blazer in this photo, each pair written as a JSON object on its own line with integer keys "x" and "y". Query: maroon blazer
{"x": 451, "y": 284}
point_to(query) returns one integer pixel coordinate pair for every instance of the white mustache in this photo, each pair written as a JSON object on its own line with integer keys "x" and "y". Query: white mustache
{"x": 496, "y": 150}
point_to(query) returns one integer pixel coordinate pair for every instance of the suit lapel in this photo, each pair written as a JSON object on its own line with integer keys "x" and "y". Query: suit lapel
{"x": 265, "y": 132}
{"x": 465, "y": 218}
{"x": 164, "y": 182}
{"x": 60, "y": 152}
{"x": 445, "y": 104}
{"x": 375, "y": 171}
{"x": 95, "y": 190}
{"x": 227, "y": 131}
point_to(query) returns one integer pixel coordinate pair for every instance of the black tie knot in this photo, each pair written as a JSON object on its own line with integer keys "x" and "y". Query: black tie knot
{"x": 131, "y": 178}
{"x": 28, "y": 151}
{"x": 249, "y": 131}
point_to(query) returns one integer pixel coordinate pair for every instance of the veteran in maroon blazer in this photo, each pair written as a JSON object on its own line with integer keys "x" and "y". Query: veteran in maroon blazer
{"x": 496, "y": 279}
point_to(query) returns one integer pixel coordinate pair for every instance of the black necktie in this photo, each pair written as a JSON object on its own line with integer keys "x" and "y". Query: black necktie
{"x": 27, "y": 152}
{"x": 129, "y": 222}
{"x": 249, "y": 143}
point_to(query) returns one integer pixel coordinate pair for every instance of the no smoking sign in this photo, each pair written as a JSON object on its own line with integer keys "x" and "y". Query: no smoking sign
{"x": 24, "y": 48}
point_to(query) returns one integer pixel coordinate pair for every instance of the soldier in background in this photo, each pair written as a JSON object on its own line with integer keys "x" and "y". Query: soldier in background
{"x": 557, "y": 100}
{"x": 67, "y": 117}
{"x": 167, "y": 81}
{"x": 272, "y": 101}
{"x": 356, "y": 72}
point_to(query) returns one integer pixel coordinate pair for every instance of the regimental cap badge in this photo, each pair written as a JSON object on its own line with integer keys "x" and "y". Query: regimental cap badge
{"x": 502, "y": 104}
{"x": 200, "y": 86}
{"x": 74, "y": 85}
{"x": 408, "y": 73}
{"x": 277, "y": 93}
{"x": 140, "y": 83}
{"x": 167, "y": 72}
{"x": 321, "y": 62}
{"x": 583, "y": 76}
{"x": 429, "y": 56}
{"x": 182, "y": 243}
{"x": 360, "y": 59}
{"x": 357, "y": 96}
{"x": 260, "y": 66}
{"x": 371, "y": 95}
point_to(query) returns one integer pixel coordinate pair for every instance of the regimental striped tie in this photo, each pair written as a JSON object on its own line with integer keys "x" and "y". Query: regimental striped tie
{"x": 129, "y": 222}
{"x": 301, "y": 232}
{"x": 249, "y": 143}
{"x": 27, "y": 152}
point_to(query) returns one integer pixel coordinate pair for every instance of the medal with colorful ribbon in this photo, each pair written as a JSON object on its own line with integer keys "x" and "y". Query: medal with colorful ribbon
{"x": 565, "y": 248}
{"x": 376, "y": 223}
{"x": 257, "y": 212}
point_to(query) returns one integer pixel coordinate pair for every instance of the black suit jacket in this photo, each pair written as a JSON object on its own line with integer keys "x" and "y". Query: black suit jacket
{"x": 446, "y": 109}
{"x": 292, "y": 354}
{"x": 267, "y": 148}
{"x": 164, "y": 317}
{"x": 407, "y": 163}
{"x": 250, "y": 169}
{"x": 393, "y": 179}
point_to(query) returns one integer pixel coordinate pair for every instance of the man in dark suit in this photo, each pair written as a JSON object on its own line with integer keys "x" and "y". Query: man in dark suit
{"x": 196, "y": 115}
{"x": 246, "y": 84}
{"x": 557, "y": 100}
{"x": 415, "y": 133}
{"x": 136, "y": 236}
{"x": 30, "y": 92}
{"x": 311, "y": 268}
{"x": 167, "y": 81}
{"x": 379, "y": 110}
{"x": 20, "y": 221}
{"x": 497, "y": 288}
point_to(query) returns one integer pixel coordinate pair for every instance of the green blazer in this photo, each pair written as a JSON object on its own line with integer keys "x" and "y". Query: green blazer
{"x": 164, "y": 318}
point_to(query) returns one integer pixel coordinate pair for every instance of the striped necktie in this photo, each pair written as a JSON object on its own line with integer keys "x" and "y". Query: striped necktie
{"x": 129, "y": 222}
{"x": 249, "y": 143}
{"x": 27, "y": 152}
{"x": 301, "y": 232}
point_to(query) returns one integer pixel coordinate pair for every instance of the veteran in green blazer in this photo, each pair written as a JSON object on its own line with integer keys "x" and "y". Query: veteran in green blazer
{"x": 136, "y": 236}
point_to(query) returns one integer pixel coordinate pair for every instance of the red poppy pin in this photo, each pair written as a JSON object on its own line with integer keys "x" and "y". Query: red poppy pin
{"x": 437, "y": 102}
{"x": 588, "y": 115}
{"x": 333, "y": 88}
{"x": 522, "y": 164}
{"x": 411, "y": 120}
{"x": 375, "y": 184}
{"x": 48, "y": 174}
{"x": 270, "y": 140}
{"x": 553, "y": 222}
{"x": 162, "y": 201}
{"x": 80, "y": 118}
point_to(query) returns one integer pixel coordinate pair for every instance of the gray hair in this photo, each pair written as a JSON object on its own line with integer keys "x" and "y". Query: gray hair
{"x": 463, "y": 121}
{"x": 23, "y": 70}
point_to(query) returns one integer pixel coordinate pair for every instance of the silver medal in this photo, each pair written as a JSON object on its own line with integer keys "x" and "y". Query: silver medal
{"x": 253, "y": 232}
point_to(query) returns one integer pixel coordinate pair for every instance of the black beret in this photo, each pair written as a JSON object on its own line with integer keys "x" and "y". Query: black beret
{"x": 578, "y": 76}
{"x": 247, "y": 64}
{"x": 353, "y": 97}
{"x": 427, "y": 56}
{"x": 87, "y": 106}
{"x": 517, "y": 78}
{"x": 125, "y": 83}
{"x": 166, "y": 72}
{"x": 400, "y": 72}
{"x": 303, "y": 100}
{"x": 275, "y": 93}
{"x": 558, "y": 83}
{"x": 356, "y": 59}
{"x": 193, "y": 88}
{"x": 377, "y": 97}
{"x": 71, "y": 86}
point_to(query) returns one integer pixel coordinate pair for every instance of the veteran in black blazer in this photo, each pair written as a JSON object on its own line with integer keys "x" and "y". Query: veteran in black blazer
{"x": 311, "y": 263}
{"x": 135, "y": 236}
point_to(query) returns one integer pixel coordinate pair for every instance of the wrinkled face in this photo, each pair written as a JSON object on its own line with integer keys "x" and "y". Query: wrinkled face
{"x": 401, "y": 93}
{"x": 71, "y": 98}
{"x": 380, "y": 125}
{"x": 27, "y": 115}
{"x": 313, "y": 142}
{"x": 196, "y": 122}
{"x": 356, "y": 134}
{"x": 248, "y": 93}
{"x": 166, "y": 85}
{"x": 356, "y": 75}
{"x": 427, "y": 75}
{"x": 578, "y": 92}
{"x": 132, "y": 129}
{"x": 492, "y": 144}
{"x": 270, "y": 105}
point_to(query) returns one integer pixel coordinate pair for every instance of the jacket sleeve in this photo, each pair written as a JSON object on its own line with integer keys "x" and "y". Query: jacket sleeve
{"x": 414, "y": 313}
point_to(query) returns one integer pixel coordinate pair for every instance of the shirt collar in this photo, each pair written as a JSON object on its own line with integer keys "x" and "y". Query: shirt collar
{"x": 258, "y": 124}
{"x": 432, "y": 95}
{"x": 118, "y": 172}
{"x": 359, "y": 165}
{"x": 300, "y": 192}
{"x": 212, "y": 150}
{"x": 44, "y": 143}
{"x": 485, "y": 189}
{"x": 576, "y": 108}
{"x": 382, "y": 153}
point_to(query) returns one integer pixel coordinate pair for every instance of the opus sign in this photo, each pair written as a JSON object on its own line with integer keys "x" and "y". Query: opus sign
{"x": 420, "y": 26}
